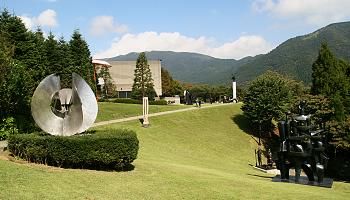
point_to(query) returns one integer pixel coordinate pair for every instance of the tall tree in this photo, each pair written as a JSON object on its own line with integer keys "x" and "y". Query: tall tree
{"x": 266, "y": 99}
{"x": 52, "y": 54}
{"x": 329, "y": 74}
{"x": 143, "y": 82}
{"x": 16, "y": 32}
{"x": 63, "y": 53}
{"x": 80, "y": 58}
{"x": 170, "y": 87}
{"x": 35, "y": 59}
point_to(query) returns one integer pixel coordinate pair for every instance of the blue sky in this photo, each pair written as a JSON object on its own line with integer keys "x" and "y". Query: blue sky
{"x": 222, "y": 28}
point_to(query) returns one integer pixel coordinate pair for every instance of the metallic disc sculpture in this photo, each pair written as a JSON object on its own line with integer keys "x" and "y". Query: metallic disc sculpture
{"x": 64, "y": 111}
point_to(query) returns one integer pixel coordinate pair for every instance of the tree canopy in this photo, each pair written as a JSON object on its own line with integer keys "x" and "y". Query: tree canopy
{"x": 266, "y": 98}
{"x": 26, "y": 57}
{"x": 170, "y": 87}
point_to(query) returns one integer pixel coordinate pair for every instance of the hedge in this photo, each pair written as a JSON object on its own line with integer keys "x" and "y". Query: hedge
{"x": 108, "y": 149}
{"x": 134, "y": 101}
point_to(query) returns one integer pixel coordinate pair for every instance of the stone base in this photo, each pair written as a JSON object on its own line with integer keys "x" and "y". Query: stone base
{"x": 303, "y": 180}
{"x": 145, "y": 125}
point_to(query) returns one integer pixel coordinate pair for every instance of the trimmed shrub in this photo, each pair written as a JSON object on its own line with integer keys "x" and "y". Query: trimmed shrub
{"x": 128, "y": 101}
{"x": 159, "y": 102}
{"x": 108, "y": 149}
{"x": 134, "y": 101}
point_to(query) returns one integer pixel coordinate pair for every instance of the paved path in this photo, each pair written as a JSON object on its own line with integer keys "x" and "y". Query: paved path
{"x": 156, "y": 114}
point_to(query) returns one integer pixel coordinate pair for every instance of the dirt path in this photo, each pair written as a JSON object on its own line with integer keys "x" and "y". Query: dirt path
{"x": 157, "y": 114}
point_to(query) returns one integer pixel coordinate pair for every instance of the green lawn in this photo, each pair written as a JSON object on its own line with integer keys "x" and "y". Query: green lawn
{"x": 108, "y": 111}
{"x": 199, "y": 154}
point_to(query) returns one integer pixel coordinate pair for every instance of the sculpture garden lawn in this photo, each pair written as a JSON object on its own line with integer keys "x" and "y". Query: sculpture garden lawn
{"x": 198, "y": 154}
{"x": 110, "y": 111}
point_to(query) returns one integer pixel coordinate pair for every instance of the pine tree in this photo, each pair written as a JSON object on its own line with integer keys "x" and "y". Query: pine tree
{"x": 143, "y": 82}
{"x": 16, "y": 32}
{"x": 35, "y": 59}
{"x": 52, "y": 54}
{"x": 329, "y": 74}
{"x": 80, "y": 58}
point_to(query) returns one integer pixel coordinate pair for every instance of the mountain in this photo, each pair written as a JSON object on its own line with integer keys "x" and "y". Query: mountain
{"x": 295, "y": 56}
{"x": 192, "y": 67}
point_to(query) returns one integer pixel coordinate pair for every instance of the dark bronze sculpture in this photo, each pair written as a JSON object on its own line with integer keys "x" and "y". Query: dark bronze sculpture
{"x": 188, "y": 97}
{"x": 302, "y": 146}
{"x": 233, "y": 78}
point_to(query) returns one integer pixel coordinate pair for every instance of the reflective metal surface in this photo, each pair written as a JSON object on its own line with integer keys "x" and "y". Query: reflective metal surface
{"x": 88, "y": 101}
{"x": 65, "y": 111}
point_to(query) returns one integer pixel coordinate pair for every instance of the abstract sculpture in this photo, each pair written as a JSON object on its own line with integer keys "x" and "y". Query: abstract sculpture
{"x": 302, "y": 147}
{"x": 145, "y": 110}
{"x": 188, "y": 97}
{"x": 64, "y": 111}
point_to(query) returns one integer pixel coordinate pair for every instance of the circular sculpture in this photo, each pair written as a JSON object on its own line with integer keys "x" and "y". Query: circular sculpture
{"x": 64, "y": 111}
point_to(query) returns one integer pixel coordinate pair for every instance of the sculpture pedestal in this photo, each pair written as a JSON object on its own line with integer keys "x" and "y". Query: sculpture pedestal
{"x": 145, "y": 109}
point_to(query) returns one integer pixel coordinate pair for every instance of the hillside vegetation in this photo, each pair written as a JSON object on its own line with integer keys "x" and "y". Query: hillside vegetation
{"x": 200, "y": 154}
{"x": 293, "y": 57}
{"x": 192, "y": 67}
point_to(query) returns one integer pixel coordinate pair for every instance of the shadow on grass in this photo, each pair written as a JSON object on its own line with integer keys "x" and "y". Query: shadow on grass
{"x": 107, "y": 168}
{"x": 244, "y": 124}
{"x": 261, "y": 176}
{"x": 269, "y": 141}
{"x": 126, "y": 168}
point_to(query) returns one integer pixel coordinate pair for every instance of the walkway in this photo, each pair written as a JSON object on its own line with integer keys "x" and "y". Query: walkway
{"x": 156, "y": 114}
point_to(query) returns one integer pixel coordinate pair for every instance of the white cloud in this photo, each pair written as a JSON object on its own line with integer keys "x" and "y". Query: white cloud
{"x": 28, "y": 22}
{"x": 106, "y": 24}
{"x": 313, "y": 12}
{"x": 46, "y": 18}
{"x": 249, "y": 45}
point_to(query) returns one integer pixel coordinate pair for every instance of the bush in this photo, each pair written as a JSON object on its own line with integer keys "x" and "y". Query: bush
{"x": 134, "y": 101}
{"x": 159, "y": 102}
{"x": 128, "y": 101}
{"x": 108, "y": 149}
{"x": 7, "y": 127}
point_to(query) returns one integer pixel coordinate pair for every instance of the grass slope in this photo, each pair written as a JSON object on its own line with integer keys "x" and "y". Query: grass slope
{"x": 109, "y": 111}
{"x": 200, "y": 154}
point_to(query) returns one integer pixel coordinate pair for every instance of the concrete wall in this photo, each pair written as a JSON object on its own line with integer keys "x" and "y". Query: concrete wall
{"x": 122, "y": 73}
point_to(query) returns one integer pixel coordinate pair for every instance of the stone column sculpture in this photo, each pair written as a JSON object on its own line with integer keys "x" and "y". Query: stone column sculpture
{"x": 145, "y": 109}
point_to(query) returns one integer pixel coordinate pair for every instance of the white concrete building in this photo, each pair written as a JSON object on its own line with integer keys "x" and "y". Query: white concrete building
{"x": 122, "y": 73}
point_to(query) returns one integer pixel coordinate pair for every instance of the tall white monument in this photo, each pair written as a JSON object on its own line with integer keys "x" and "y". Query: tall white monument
{"x": 234, "y": 95}
{"x": 145, "y": 110}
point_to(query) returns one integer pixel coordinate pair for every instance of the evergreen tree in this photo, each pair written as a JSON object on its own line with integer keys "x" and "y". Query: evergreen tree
{"x": 16, "y": 32}
{"x": 143, "y": 82}
{"x": 52, "y": 54}
{"x": 63, "y": 54}
{"x": 35, "y": 59}
{"x": 80, "y": 58}
{"x": 329, "y": 74}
